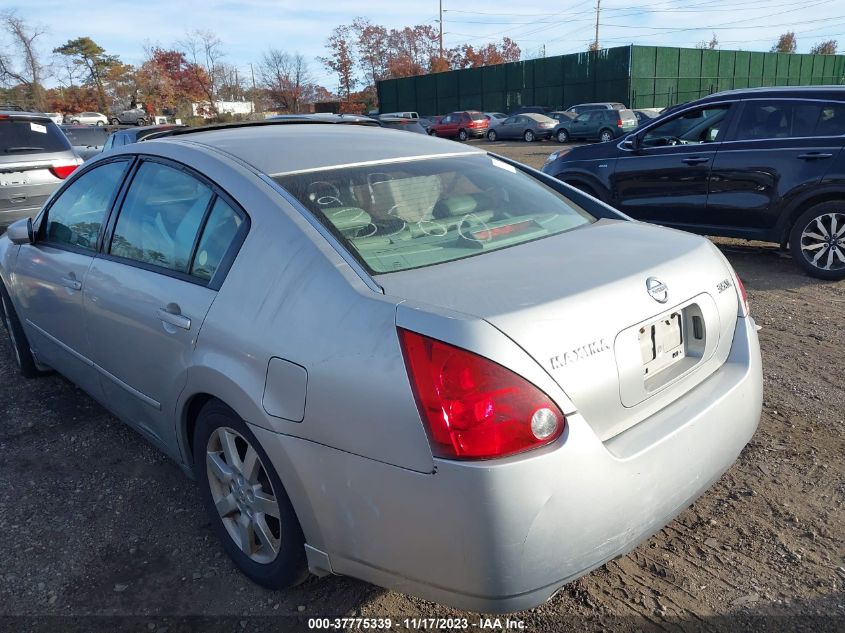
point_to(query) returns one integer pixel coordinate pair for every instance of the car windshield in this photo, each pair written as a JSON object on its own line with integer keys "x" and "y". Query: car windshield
{"x": 86, "y": 136}
{"x": 31, "y": 136}
{"x": 407, "y": 214}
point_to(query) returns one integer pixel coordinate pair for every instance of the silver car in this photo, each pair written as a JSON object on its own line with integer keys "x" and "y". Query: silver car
{"x": 416, "y": 363}
{"x": 529, "y": 127}
{"x": 35, "y": 157}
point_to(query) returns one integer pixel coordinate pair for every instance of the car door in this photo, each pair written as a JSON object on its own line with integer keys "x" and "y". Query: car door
{"x": 664, "y": 179}
{"x": 777, "y": 149}
{"x": 506, "y": 128}
{"x": 50, "y": 274}
{"x": 580, "y": 126}
{"x": 149, "y": 291}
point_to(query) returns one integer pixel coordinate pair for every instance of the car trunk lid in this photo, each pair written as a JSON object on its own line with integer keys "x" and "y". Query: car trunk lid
{"x": 579, "y": 304}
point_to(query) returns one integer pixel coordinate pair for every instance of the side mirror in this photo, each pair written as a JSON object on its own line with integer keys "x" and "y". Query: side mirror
{"x": 21, "y": 232}
{"x": 632, "y": 142}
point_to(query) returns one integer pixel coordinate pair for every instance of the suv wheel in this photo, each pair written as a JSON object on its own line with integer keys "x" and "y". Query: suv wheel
{"x": 17, "y": 337}
{"x": 100, "y": 124}
{"x": 115, "y": 121}
{"x": 817, "y": 240}
{"x": 605, "y": 136}
{"x": 562, "y": 136}
{"x": 462, "y": 135}
{"x": 491, "y": 135}
{"x": 528, "y": 137}
{"x": 140, "y": 122}
{"x": 249, "y": 509}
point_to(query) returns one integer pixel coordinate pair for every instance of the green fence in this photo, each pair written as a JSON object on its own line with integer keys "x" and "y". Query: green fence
{"x": 640, "y": 76}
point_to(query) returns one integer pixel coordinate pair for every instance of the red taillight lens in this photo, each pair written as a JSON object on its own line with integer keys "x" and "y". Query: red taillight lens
{"x": 63, "y": 171}
{"x": 473, "y": 407}
{"x": 619, "y": 122}
{"x": 743, "y": 297}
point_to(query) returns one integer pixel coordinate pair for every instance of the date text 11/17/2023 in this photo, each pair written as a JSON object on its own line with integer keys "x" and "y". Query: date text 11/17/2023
{"x": 417, "y": 624}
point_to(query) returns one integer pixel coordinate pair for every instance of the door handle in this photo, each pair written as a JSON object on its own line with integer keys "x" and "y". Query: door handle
{"x": 173, "y": 315}
{"x": 814, "y": 155}
{"x": 72, "y": 283}
{"x": 695, "y": 160}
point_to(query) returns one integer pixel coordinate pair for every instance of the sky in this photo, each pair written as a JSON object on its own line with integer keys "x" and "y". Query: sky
{"x": 249, "y": 27}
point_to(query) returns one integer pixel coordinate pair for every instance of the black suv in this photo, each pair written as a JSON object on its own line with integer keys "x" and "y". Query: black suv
{"x": 764, "y": 164}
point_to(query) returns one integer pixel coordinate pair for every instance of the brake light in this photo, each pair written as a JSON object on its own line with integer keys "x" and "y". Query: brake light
{"x": 744, "y": 310}
{"x": 63, "y": 170}
{"x": 474, "y": 408}
{"x": 618, "y": 121}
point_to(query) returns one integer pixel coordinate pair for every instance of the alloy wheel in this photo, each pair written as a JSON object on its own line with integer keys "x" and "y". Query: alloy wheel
{"x": 562, "y": 136}
{"x": 529, "y": 136}
{"x": 243, "y": 495}
{"x": 606, "y": 136}
{"x": 823, "y": 241}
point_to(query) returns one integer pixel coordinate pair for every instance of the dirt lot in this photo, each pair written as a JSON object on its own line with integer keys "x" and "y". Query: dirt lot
{"x": 97, "y": 522}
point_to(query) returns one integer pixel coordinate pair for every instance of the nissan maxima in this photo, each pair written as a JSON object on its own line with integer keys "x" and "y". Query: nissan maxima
{"x": 414, "y": 363}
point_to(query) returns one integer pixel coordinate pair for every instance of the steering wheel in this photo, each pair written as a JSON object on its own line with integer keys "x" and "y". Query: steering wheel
{"x": 478, "y": 221}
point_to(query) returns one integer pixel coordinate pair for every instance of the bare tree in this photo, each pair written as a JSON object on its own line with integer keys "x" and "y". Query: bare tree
{"x": 20, "y": 63}
{"x": 713, "y": 44}
{"x": 204, "y": 52}
{"x": 287, "y": 79}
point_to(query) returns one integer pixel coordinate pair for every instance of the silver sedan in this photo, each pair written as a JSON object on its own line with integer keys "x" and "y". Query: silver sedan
{"x": 414, "y": 363}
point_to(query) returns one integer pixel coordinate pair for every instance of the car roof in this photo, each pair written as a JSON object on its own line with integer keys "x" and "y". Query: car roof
{"x": 22, "y": 114}
{"x": 780, "y": 92}
{"x": 535, "y": 116}
{"x": 289, "y": 146}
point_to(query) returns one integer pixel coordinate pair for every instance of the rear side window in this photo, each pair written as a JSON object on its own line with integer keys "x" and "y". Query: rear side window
{"x": 28, "y": 136}
{"x": 75, "y": 217}
{"x": 220, "y": 231}
{"x": 831, "y": 120}
{"x": 790, "y": 119}
{"x": 161, "y": 217}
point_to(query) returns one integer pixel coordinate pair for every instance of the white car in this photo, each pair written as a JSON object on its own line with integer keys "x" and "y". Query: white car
{"x": 88, "y": 118}
{"x": 56, "y": 117}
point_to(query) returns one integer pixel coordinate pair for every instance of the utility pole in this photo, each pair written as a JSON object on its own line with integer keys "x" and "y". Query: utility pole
{"x": 441, "y": 29}
{"x": 598, "y": 11}
{"x": 254, "y": 94}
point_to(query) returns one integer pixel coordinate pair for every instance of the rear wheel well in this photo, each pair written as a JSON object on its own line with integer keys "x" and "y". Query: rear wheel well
{"x": 802, "y": 207}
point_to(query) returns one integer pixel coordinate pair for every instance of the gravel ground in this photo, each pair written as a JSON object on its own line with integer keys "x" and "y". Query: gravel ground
{"x": 96, "y": 522}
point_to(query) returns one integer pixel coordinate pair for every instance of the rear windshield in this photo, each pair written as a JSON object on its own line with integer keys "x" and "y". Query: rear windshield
{"x": 477, "y": 116}
{"x": 403, "y": 215}
{"x": 85, "y": 136}
{"x": 627, "y": 114}
{"x": 31, "y": 136}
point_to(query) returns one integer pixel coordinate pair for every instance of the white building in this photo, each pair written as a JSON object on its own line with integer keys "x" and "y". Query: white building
{"x": 223, "y": 107}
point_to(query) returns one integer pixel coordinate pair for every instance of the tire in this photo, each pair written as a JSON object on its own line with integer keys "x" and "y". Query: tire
{"x": 492, "y": 136}
{"x": 75, "y": 122}
{"x": 274, "y": 568}
{"x": 100, "y": 124}
{"x": 562, "y": 136}
{"x": 605, "y": 136}
{"x": 462, "y": 135}
{"x": 817, "y": 240}
{"x": 140, "y": 122}
{"x": 529, "y": 136}
{"x": 17, "y": 337}
{"x": 115, "y": 121}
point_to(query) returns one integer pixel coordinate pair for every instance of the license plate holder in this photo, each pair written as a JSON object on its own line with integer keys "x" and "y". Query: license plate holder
{"x": 662, "y": 343}
{"x": 13, "y": 179}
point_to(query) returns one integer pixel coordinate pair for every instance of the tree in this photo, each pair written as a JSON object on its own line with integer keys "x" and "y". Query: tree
{"x": 469, "y": 57}
{"x": 88, "y": 55}
{"x": 713, "y": 44}
{"x": 786, "y": 43}
{"x": 21, "y": 65}
{"x": 371, "y": 40}
{"x": 825, "y": 48}
{"x": 204, "y": 52}
{"x": 169, "y": 82}
{"x": 287, "y": 79}
{"x": 341, "y": 59}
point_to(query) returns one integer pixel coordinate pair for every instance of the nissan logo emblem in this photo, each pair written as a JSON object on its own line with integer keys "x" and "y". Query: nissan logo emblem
{"x": 657, "y": 289}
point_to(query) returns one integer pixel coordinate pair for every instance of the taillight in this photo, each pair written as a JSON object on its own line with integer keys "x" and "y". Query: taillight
{"x": 619, "y": 122}
{"x": 744, "y": 311}
{"x": 474, "y": 408}
{"x": 63, "y": 170}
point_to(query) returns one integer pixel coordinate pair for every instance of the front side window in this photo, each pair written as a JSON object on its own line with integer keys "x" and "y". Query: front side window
{"x": 403, "y": 215}
{"x": 161, "y": 217}
{"x": 74, "y": 219}
{"x": 691, "y": 128}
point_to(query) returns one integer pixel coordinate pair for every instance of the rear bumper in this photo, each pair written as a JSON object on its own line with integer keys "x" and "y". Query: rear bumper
{"x": 504, "y": 535}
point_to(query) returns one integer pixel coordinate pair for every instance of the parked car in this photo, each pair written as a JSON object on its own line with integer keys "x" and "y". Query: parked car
{"x": 56, "y": 117}
{"x": 581, "y": 108}
{"x": 119, "y": 138}
{"x": 86, "y": 118}
{"x": 562, "y": 115}
{"x": 135, "y": 116}
{"x": 764, "y": 164}
{"x": 462, "y": 125}
{"x": 601, "y": 125}
{"x": 35, "y": 157}
{"x": 412, "y": 363}
{"x": 400, "y": 115}
{"x": 530, "y": 110}
{"x": 86, "y": 140}
{"x": 406, "y": 125}
{"x": 427, "y": 124}
{"x": 529, "y": 127}
{"x": 495, "y": 118}
{"x": 644, "y": 115}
